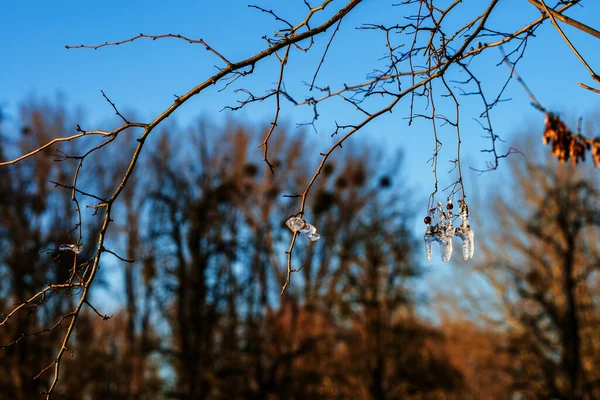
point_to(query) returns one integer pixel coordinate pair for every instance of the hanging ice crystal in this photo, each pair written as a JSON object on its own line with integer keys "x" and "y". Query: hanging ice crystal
{"x": 444, "y": 232}
{"x": 429, "y": 239}
{"x": 433, "y": 234}
{"x": 428, "y": 247}
{"x": 311, "y": 232}
{"x": 465, "y": 232}
{"x": 448, "y": 230}
{"x": 75, "y": 248}
{"x": 297, "y": 224}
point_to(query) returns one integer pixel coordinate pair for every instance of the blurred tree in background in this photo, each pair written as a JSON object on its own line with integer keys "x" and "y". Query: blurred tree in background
{"x": 200, "y": 316}
{"x": 33, "y": 218}
{"x": 540, "y": 268}
{"x": 545, "y": 258}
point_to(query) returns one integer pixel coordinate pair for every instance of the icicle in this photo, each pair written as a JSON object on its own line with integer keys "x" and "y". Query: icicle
{"x": 75, "y": 248}
{"x": 297, "y": 224}
{"x": 448, "y": 230}
{"x": 465, "y": 232}
{"x": 431, "y": 233}
{"x": 429, "y": 239}
{"x": 428, "y": 250}
{"x": 445, "y": 231}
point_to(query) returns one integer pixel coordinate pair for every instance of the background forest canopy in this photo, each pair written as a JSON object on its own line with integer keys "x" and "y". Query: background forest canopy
{"x": 199, "y": 310}
{"x": 148, "y": 258}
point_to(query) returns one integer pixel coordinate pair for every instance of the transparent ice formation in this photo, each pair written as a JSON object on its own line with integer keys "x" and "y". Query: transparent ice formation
{"x": 444, "y": 231}
{"x": 447, "y": 234}
{"x": 75, "y": 248}
{"x": 465, "y": 232}
{"x": 297, "y": 224}
{"x": 429, "y": 239}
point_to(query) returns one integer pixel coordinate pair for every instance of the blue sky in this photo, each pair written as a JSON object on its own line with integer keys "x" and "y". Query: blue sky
{"x": 144, "y": 76}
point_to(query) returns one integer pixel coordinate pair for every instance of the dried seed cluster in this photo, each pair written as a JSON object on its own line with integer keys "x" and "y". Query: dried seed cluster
{"x": 568, "y": 145}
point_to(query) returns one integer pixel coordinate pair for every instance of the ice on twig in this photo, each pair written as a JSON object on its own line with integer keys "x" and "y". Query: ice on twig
{"x": 465, "y": 232}
{"x": 75, "y": 248}
{"x": 297, "y": 224}
{"x": 429, "y": 239}
{"x": 444, "y": 231}
{"x": 446, "y": 247}
{"x": 449, "y": 231}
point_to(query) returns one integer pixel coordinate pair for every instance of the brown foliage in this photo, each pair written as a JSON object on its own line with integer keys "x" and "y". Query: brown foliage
{"x": 566, "y": 144}
{"x": 541, "y": 262}
{"x": 199, "y": 317}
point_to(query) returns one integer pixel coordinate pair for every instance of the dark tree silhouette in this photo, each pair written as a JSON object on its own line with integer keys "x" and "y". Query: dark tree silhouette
{"x": 542, "y": 260}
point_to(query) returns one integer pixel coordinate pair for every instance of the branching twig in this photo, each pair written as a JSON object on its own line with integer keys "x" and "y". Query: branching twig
{"x": 553, "y": 17}
{"x": 153, "y": 37}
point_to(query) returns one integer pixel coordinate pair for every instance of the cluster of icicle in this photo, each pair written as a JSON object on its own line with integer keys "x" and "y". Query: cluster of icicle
{"x": 444, "y": 230}
{"x": 297, "y": 224}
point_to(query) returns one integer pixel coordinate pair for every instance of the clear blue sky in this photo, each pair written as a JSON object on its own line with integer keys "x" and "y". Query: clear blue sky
{"x": 143, "y": 76}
